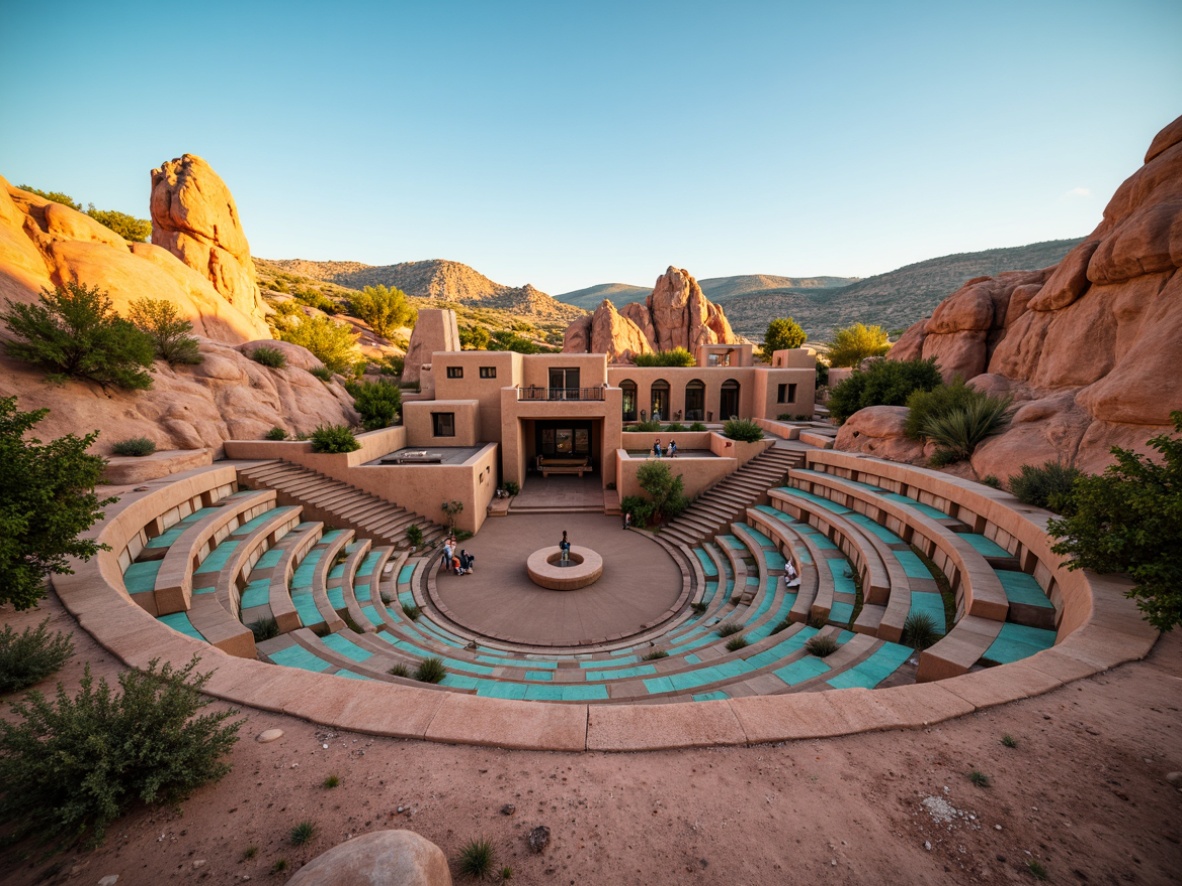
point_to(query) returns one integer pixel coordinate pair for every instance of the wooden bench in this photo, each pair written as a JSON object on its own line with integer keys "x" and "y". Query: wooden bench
{"x": 550, "y": 466}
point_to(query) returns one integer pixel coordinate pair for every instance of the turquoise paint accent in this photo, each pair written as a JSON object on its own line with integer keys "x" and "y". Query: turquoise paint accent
{"x": 657, "y": 685}
{"x": 709, "y": 567}
{"x": 257, "y": 593}
{"x": 716, "y": 695}
{"x": 913, "y": 567}
{"x": 1017, "y": 642}
{"x": 404, "y": 574}
{"x": 218, "y": 556}
{"x": 179, "y": 621}
{"x": 1023, "y": 588}
{"x": 621, "y": 674}
{"x": 539, "y": 676}
{"x": 841, "y": 613}
{"x": 371, "y": 613}
{"x": 140, "y": 578}
{"x": 802, "y": 670}
{"x": 295, "y": 656}
{"x": 984, "y": 546}
{"x": 341, "y": 645}
{"x": 931, "y": 604}
{"x": 584, "y": 693}
{"x": 270, "y": 559}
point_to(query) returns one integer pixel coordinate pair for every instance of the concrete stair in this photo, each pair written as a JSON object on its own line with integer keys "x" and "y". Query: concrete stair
{"x": 339, "y": 504}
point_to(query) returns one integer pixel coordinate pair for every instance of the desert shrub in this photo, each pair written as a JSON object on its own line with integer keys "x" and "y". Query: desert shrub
{"x": 674, "y": 357}
{"x": 71, "y": 766}
{"x": 919, "y": 631}
{"x": 31, "y": 656}
{"x": 821, "y": 645}
{"x": 655, "y": 655}
{"x": 75, "y": 332}
{"x": 451, "y": 510}
{"x": 264, "y": 629}
{"x": 430, "y": 670}
{"x": 314, "y": 298}
{"x": 134, "y": 446}
{"x": 385, "y": 310}
{"x": 666, "y": 491}
{"x": 853, "y": 344}
{"x": 645, "y": 427}
{"x": 334, "y": 438}
{"x": 729, "y": 628}
{"x": 414, "y": 535}
{"x": 272, "y": 358}
{"x": 736, "y": 643}
{"x": 743, "y": 429}
{"x": 699, "y": 607}
{"x": 330, "y": 782}
{"x": 783, "y": 333}
{"x": 55, "y": 196}
{"x": 697, "y": 426}
{"x": 302, "y": 833}
{"x": 885, "y": 383}
{"x": 332, "y": 343}
{"x": 943, "y": 399}
{"x": 477, "y": 859}
{"x": 411, "y": 611}
{"x": 675, "y": 427}
{"x": 980, "y": 779}
{"x": 958, "y": 433}
{"x": 1050, "y": 486}
{"x": 512, "y": 487}
{"x": 169, "y": 331}
{"x": 276, "y": 433}
{"x": 399, "y": 670}
{"x": 322, "y": 372}
{"x": 943, "y": 457}
{"x": 641, "y": 510}
{"x": 474, "y": 338}
{"x": 782, "y": 625}
{"x": 378, "y": 402}
{"x": 1129, "y": 519}
{"x": 991, "y": 481}
{"x": 137, "y": 230}
{"x": 35, "y": 478}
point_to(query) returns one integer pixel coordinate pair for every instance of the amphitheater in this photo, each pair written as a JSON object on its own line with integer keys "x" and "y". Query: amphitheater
{"x": 642, "y": 659}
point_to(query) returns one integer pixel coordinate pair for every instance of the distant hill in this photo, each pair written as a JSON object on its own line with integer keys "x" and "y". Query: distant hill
{"x": 723, "y": 289}
{"x": 438, "y": 280}
{"x": 893, "y": 300}
{"x": 620, "y": 294}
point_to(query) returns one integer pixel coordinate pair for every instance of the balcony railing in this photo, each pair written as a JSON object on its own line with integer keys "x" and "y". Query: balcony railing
{"x": 540, "y": 392}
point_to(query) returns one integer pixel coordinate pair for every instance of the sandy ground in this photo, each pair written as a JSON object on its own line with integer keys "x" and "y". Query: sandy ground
{"x": 1084, "y": 794}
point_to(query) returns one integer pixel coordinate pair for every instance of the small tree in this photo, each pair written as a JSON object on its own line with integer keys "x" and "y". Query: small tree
{"x": 886, "y": 383}
{"x": 384, "y": 309}
{"x": 474, "y": 338}
{"x": 783, "y": 333}
{"x": 853, "y": 344}
{"x": 160, "y": 319}
{"x": 666, "y": 491}
{"x": 76, "y": 332}
{"x": 46, "y": 500}
{"x": 378, "y": 402}
{"x": 332, "y": 343}
{"x": 1129, "y": 519}
{"x": 137, "y": 230}
{"x": 55, "y": 196}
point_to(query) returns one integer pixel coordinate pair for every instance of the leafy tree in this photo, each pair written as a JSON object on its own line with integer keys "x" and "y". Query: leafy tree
{"x": 76, "y": 332}
{"x": 1129, "y": 519}
{"x": 666, "y": 491}
{"x": 378, "y": 402}
{"x": 672, "y": 357}
{"x": 474, "y": 338}
{"x": 55, "y": 196}
{"x": 885, "y": 383}
{"x": 137, "y": 230}
{"x": 853, "y": 344}
{"x": 160, "y": 319}
{"x": 783, "y": 333}
{"x": 46, "y": 500}
{"x": 332, "y": 343}
{"x": 507, "y": 340}
{"x": 384, "y": 309}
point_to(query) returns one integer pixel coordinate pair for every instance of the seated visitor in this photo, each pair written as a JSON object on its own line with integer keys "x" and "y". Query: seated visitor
{"x": 791, "y": 578}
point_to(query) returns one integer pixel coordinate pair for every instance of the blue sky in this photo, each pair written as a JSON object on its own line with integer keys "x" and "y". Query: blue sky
{"x": 567, "y": 144}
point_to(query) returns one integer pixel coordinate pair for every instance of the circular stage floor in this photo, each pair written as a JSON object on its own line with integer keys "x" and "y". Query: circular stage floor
{"x": 639, "y": 586}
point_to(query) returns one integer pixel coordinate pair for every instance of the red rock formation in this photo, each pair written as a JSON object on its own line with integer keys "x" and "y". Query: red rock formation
{"x": 675, "y": 315}
{"x": 1090, "y": 348}
{"x": 195, "y": 218}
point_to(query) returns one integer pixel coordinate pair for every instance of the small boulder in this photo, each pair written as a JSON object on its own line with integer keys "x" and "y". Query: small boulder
{"x": 379, "y": 858}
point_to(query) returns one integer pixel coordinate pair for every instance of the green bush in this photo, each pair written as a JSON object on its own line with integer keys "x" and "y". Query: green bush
{"x": 958, "y": 433}
{"x": 71, "y": 766}
{"x": 729, "y": 628}
{"x": 302, "y": 833}
{"x": 264, "y": 629}
{"x": 276, "y": 433}
{"x": 399, "y": 670}
{"x": 136, "y": 447}
{"x": 734, "y": 644}
{"x": 477, "y": 859}
{"x": 76, "y": 333}
{"x": 332, "y": 343}
{"x": 31, "y": 656}
{"x": 853, "y": 344}
{"x": 169, "y": 332}
{"x": 666, "y": 491}
{"x": 414, "y": 535}
{"x": 697, "y": 426}
{"x": 1129, "y": 519}
{"x": 474, "y": 338}
{"x": 821, "y": 645}
{"x": 315, "y": 299}
{"x": 885, "y": 383}
{"x": 323, "y": 373}
{"x": 641, "y": 510}
{"x": 55, "y": 196}
{"x": 378, "y": 402}
{"x": 675, "y": 427}
{"x": 137, "y": 230}
{"x": 1050, "y": 486}
{"x": 674, "y": 357}
{"x": 385, "y": 310}
{"x": 411, "y": 611}
{"x": 272, "y": 358}
{"x": 920, "y": 631}
{"x": 37, "y": 478}
{"x": 645, "y": 427}
{"x": 943, "y": 399}
{"x": 783, "y": 333}
{"x": 334, "y": 438}
{"x": 430, "y": 670}
{"x": 742, "y": 429}
{"x": 512, "y": 487}
{"x": 655, "y": 655}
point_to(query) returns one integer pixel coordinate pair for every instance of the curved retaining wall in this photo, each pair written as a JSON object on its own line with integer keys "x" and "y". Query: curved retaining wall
{"x": 1099, "y": 629}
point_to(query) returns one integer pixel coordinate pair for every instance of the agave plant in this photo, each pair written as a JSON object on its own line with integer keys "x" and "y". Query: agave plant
{"x": 958, "y": 433}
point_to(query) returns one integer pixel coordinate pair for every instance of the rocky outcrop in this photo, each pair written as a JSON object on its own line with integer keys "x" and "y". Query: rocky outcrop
{"x": 675, "y": 315}
{"x": 45, "y": 244}
{"x": 878, "y": 430}
{"x": 195, "y": 218}
{"x": 435, "y": 330}
{"x": 1090, "y": 348}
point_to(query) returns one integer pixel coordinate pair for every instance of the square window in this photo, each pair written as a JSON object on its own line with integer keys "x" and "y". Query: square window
{"x": 455, "y": 372}
{"x": 444, "y": 424}
{"x": 787, "y": 394}
{"x": 488, "y": 372}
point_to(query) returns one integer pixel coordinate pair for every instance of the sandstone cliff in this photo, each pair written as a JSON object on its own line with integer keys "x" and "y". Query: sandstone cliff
{"x": 675, "y": 315}
{"x": 1090, "y": 348}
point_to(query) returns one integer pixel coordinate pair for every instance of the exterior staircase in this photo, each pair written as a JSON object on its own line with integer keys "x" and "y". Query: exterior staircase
{"x": 727, "y": 501}
{"x": 339, "y": 504}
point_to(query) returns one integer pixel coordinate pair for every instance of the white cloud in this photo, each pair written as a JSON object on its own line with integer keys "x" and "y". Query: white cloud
{"x": 1078, "y": 192}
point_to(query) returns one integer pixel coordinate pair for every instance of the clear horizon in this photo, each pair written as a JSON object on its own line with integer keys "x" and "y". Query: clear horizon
{"x": 568, "y": 147}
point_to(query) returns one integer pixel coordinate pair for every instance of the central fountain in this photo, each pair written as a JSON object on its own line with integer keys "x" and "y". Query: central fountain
{"x": 548, "y": 570}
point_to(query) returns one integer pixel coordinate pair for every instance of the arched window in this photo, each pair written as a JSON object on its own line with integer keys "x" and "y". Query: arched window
{"x": 695, "y": 400}
{"x": 728, "y": 400}
{"x": 629, "y": 388}
{"x": 660, "y": 400}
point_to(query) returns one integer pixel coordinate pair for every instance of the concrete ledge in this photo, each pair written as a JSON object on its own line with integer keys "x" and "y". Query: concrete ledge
{"x": 656, "y": 727}
{"x": 466, "y": 719}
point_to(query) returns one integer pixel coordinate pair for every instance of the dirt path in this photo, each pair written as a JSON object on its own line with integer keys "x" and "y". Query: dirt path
{"x": 1083, "y": 793}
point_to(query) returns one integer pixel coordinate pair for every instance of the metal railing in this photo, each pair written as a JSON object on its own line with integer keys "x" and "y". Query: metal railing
{"x": 540, "y": 392}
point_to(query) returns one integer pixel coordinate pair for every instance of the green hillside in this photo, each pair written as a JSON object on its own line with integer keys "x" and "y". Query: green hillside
{"x": 590, "y": 298}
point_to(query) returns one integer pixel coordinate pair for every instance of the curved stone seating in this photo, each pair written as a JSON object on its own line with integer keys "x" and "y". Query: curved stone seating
{"x": 810, "y": 549}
